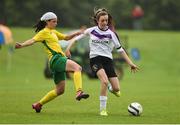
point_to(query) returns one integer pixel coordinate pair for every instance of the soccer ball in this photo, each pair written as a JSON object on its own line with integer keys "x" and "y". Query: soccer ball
{"x": 135, "y": 109}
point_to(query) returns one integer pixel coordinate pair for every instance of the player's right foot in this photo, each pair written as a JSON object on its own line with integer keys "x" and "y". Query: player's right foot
{"x": 103, "y": 112}
{"x": 81, "y": 95}
{"x": 37, "y": 107}
{"x": 117, "y": 94}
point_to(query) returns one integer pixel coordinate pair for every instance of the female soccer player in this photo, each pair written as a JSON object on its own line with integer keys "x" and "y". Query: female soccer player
{"x": 48, "y": 36}
{"x": 102, "y": 40}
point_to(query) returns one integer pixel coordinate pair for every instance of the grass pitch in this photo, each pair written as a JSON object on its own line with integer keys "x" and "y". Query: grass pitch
{"x": 156, "y": 86}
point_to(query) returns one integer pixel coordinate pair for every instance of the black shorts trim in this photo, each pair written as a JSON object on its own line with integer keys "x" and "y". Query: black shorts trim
{"x": 101, "y": 62}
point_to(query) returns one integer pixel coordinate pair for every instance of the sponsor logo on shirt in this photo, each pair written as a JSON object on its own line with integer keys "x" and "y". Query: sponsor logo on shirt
{"x": 100, "y": 41}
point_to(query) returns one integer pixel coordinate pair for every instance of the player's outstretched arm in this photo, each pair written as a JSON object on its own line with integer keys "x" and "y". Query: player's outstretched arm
{"x": 81, "y": 31}
{"x": 67, "y": 52}
{"x": 24, "y": 44}
{"x": 134, "y": 68}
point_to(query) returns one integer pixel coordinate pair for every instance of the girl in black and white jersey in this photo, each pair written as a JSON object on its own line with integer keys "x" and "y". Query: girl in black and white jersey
{"x": 102, "y": 41}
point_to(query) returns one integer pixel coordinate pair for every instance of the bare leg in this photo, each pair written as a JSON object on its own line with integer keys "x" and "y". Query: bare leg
{"x": 103, "y": 93}
{"x": 104, "y": 81}
{"x": 76, "y": 68}
{"x": 60, "y": 87}
{"x": 114, "y": 88}
{"x": 115, "y": 84}
{"x": 73, "y": 66}
{"x": 59, "y": 90}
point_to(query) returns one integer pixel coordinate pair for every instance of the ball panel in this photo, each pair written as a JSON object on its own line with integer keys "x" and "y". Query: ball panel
{"x": 132, "y": 111}
{"x": 135, "y": 108}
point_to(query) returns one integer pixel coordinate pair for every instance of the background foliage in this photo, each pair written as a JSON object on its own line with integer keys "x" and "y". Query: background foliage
{"x": 159, "y": 14}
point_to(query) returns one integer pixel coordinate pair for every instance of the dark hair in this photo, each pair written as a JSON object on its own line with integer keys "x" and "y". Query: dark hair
{"x": 111, "y": 23}
{"x": 101, "y": 12}
{"x": 39, "y": 26}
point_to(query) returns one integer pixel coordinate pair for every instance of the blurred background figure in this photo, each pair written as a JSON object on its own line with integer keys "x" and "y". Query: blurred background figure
{"x": 137, "y": 15}
{"x": 5, "y": 35}
{"x": 7, "y": 39}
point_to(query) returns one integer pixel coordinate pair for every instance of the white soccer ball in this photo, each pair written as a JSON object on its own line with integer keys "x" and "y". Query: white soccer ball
{"x": 135, "y": 109}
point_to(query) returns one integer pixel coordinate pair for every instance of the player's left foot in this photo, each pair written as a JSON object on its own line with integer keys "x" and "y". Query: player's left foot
{"x": 117, "y": 94}
{"x": 81, "y": 95}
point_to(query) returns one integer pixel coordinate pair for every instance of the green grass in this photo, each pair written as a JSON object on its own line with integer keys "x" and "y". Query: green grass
{"x": 156, "y": 86}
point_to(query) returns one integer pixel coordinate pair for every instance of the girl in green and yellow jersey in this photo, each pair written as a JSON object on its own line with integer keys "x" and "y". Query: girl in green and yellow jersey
{"x": 59, "y": 64}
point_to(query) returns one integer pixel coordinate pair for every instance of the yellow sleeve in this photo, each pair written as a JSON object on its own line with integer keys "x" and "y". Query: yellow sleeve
{"x": 60, "y": 35}
{"x": 39, "y": 37}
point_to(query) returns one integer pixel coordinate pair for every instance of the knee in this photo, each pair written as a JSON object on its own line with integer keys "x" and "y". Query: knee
{"x": 105, "y": 82}
{"x": 60, "y": 91}
{"x": 78, "y": 68}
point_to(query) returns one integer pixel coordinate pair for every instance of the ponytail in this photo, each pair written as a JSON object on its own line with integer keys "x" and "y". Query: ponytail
{"x": 39, "y": 26}
{"x": 111, "y": 23}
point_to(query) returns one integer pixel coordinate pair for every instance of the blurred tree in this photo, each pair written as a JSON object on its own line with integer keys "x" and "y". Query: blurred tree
{"x": 159, "y": 14}
{"x": 121, "y": 12}
{"x": 2, "y": 10}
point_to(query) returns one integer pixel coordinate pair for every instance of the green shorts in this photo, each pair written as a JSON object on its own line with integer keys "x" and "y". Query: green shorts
{"x": 58, "y": 67}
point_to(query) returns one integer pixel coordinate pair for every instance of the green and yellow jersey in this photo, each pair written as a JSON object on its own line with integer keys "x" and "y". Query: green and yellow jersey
{"x": 51, "y": 38}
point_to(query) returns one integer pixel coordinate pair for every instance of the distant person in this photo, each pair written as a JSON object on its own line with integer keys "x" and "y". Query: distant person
{"x": 102, "y": 41}
{"x": 59, "y": 64}
{"x": 5, "y": 35}
{"x": 137, "y": 15}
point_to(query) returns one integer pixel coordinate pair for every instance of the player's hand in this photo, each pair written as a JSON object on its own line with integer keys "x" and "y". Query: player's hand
{"x": 134, "y": 68}
{"x": 68, "y": 53}
{"x": 18, "y": 45}
{"x": 82, "y": 29}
